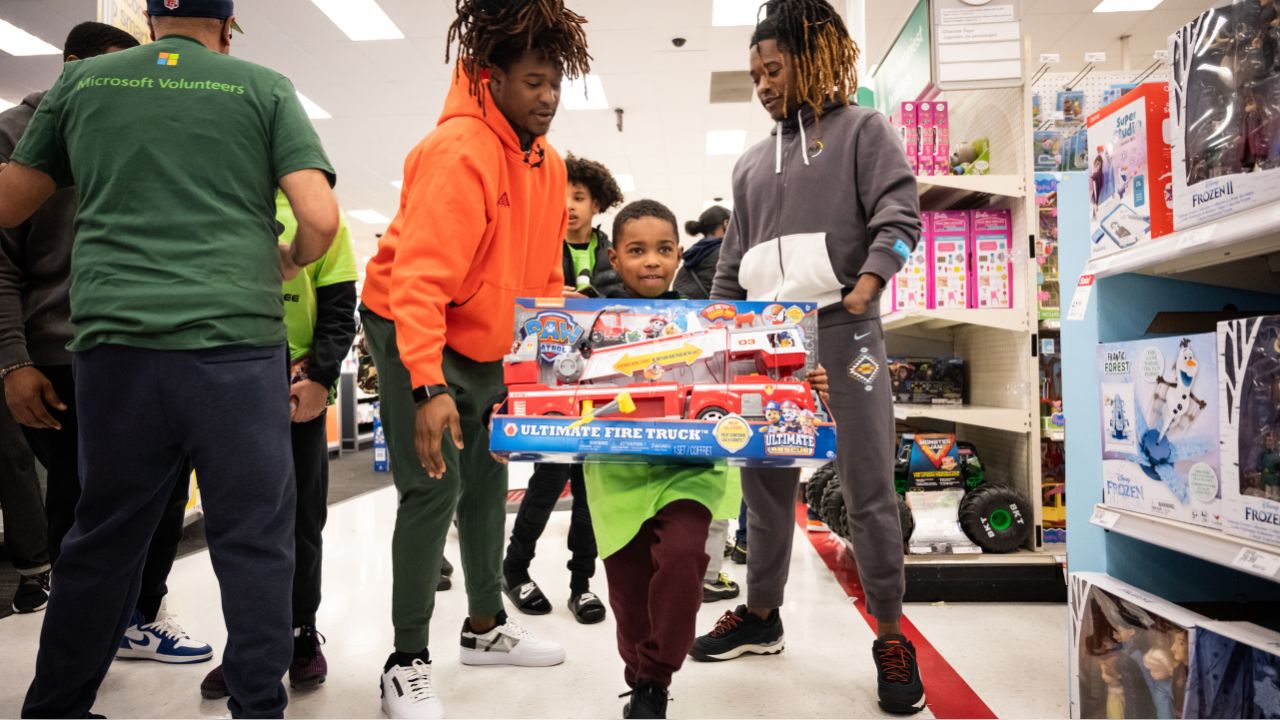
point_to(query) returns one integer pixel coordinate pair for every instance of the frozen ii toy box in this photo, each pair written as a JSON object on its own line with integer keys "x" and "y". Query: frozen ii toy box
{"x": 1225, "y": 84}
{"x": 1249, "y": 378}
{"x": 676, "y": 379}
{"x": 1160, "y": 427}
{"x": 1128, "y": 170}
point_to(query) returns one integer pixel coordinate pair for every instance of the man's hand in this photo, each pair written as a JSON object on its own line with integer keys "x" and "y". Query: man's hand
{"x": 288, "y": 268}
{"x": 572, "y": 293}
{"x": 436, "y": 417}
{"x": 817, "y": 379}
{"x": 27, "y": 392}
{"x": 308, "y": 398}
{"x": 864, "y": 293}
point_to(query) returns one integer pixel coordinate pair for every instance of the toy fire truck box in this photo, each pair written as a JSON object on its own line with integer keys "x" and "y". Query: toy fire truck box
{"x": 949, "y": 258}
{"x": 1160, "y": 427}
{"x": 991, "y": 250}
{"x": 928, "y": 381}
{"x": 1130, "y": 650}
{"x": 911, "y": 284}
{"x": 1225, "y": 110}
{"x": 1249, "y": 381}
{"x": 1129, "y": 170}
{"x": 676, "y": 379}
{"x": 1235, "y": 672}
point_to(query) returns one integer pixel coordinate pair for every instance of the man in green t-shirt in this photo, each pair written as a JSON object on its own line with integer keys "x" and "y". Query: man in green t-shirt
{"x": 320, "y": 317}
{"x": 176, "y": 151}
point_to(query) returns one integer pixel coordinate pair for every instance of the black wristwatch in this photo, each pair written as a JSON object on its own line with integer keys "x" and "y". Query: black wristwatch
{"x": 423, "y": 393}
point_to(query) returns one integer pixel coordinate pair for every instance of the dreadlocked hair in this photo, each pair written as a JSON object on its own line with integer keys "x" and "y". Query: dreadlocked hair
{"x": 496, "y": 33}
{"x": 825, "y": 56}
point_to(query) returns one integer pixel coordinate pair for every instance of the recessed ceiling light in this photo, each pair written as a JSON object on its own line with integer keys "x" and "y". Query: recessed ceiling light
{"x": 734, "y": 13}
{"x": 1126, "y": 5}
{"x": 573, "y": 96}
{"x": 314, "y": 111}
{"x": 16, "y": 41}
{"x": 369, "y": 217}
{"x": 726, "y": 142}
{"x": 5, "y": 105}
{"x": 360, "y": 19}
{"x": 626, "y": 183}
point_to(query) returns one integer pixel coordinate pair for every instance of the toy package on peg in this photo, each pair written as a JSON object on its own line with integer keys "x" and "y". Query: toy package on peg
{"x": 677, "y": 379}
{"x": 909, "y": 130}
{"x": 949, "y": 258}
{"x": 991, "y": 250}
{"x": 1225, "y": 84}
{"x": 1160, "y": 427}
{"x": 1249, "y": 376}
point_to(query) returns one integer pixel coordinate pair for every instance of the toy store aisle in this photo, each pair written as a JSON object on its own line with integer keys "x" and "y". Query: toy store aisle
{"x": 1011, "y": 657}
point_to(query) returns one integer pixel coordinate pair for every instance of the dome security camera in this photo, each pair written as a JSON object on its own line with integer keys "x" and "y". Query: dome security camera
{"x": 678, "y": 41}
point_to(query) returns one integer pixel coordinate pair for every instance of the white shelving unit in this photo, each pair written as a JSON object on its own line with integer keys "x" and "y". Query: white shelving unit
{"x": 1216, "y": 547}
{"x": 1012, "y": 320}
{"x": 943, "y": 191}
{"x": 1011, "y": 420}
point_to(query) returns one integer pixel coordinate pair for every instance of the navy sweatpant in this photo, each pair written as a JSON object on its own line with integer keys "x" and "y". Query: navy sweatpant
{"x": 141, "y": 414}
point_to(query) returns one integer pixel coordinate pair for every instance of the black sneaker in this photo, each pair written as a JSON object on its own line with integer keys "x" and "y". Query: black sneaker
{"x": 738, "y": 633}
{"x": 32, "y": 594}
{"x": 722, "y": 588}
{"x": 446, "y": 567}
{"x": 444, "y": 583}
{"x": 738, "y": 554}
{"x": 901, "y": 691}
{"x": 648, "y": 700}
{"x": 587, "y": 607}
{"x": 527, "y": 597}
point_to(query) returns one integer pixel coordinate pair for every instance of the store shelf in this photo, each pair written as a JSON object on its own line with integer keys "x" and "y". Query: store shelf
{"x": 1214, "y": 546}
{"x": 944, "y": 191}
{"x": 1218, "y": 253}
{"x": 1051, "y": 326}
{"x": 1013, "y": 320}
{"x": 1056, "y": 435}
{"x": 1007, "y": 419}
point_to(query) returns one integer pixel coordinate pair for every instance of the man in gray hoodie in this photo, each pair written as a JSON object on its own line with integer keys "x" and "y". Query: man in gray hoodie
{"x": 826, "y": 210}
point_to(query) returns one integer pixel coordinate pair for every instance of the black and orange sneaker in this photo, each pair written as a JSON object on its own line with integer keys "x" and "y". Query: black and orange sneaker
{"x": 900, "y": 689}
{"x": 739, "y": 633}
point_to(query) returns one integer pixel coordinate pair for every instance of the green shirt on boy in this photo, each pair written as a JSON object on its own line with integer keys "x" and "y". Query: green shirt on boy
{"x": 337, "y": 266}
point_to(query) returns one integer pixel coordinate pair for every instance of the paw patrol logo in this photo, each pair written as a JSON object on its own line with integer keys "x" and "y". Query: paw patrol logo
{"x": 865, "y": 369}
{"x": 556, "y": 333}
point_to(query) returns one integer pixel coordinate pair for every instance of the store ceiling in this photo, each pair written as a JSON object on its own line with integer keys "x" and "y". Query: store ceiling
{"x": 385, "y": 95}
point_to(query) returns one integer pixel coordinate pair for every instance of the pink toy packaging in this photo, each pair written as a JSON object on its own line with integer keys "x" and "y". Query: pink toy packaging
{"x": 949, "y": 258}
{"x": 911, "y": 284}
{"x": 925, "y": 120}
{"x": 991, "y": 247}
{"x": 941, "y": 140}
{"x": 910, "y": 131}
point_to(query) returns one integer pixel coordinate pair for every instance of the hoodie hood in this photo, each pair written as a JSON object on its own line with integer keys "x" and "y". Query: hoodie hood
{"x": 801, "y": 122}
{"x": 460, "y": 103}
{"x": 701, "y": 250}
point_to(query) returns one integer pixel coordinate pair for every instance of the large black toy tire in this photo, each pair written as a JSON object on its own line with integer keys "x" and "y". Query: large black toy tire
{"x": 996, "y": 518}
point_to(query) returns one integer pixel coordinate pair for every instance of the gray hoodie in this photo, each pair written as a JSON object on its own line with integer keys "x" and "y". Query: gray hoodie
{"x": 35, "y": 266}
{"x": 806, "y": 225}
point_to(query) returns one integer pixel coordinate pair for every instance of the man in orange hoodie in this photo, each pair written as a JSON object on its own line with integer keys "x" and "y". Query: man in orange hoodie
{"x": 481, "y": 221}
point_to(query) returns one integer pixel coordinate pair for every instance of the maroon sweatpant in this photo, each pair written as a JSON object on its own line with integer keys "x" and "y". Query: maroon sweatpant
{"x": 655, "y": 589}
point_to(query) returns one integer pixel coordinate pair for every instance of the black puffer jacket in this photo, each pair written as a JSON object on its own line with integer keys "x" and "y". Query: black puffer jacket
{"x": 604, "y": 278}
{"x": 699, "y": 271}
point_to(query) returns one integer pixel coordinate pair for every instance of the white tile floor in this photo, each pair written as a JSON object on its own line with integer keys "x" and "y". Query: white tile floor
{"x": 1014, "y": 656}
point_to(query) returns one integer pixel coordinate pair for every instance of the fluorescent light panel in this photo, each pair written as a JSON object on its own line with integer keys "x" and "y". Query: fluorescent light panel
{"x": 314, "y": 111}
{"x": 626, "y": 183}
{"x": 360, "y": 19}
{"x": 369, "y": 217}
{"x": 572, "y": 96}
{"x": 1126, "y": 5}
{"x": 726, "y": 142}
{"x": 16, "y": 41}
{"x": 734, "y": 13}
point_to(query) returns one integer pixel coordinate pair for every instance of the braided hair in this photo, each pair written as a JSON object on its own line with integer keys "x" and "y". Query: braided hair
{"x": 825, "y": 56}
{"x": 496, "y": 33}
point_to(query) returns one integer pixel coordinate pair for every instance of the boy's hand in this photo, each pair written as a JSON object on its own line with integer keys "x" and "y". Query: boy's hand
{"x": 288, "y": 268}
{"x": 817, "y": 379}
{"x": 309, "y": 398}
{"x": 864, "y": 293}
{"x": 435, "y": 417}
{"x": 572, "y": 293}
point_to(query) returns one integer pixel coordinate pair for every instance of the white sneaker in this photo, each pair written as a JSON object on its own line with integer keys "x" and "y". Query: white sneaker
{"x": 407, "y": 693}
{"x": 509, "y": 644}
{"x": 163, "y": 641}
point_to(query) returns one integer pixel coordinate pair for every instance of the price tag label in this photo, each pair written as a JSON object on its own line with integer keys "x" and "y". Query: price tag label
{"x": 1105, "y": 518}
{"x": 1161, "y": 55}
{"x": 1095, "y": 57}
{"x": 1050, "y": 58}
{"x": 1080, "y": 298}
{"x": 1258, "y": 563}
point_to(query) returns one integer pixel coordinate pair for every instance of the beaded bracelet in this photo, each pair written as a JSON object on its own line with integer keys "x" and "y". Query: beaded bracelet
{"x": 14, "y": 368}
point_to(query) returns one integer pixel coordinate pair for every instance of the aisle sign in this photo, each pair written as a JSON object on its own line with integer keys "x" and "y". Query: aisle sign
{"x": 1256, "y": 562}
{"x": 1080, "y": 299}
{"x": 128, "y": 15}
{"x": 906, "y": 71}
{"x": 977, "y": 44}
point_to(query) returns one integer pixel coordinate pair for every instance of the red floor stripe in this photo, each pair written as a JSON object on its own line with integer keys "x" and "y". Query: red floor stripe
{"x": 948, "y": 695}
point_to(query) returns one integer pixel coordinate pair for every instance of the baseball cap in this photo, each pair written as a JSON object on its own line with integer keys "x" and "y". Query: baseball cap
{"x": 219, "y": 9}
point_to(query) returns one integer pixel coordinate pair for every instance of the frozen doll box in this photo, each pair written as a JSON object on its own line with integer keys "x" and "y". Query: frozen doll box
{"x": 1160, "y": 427}
{"x": 1235, "y": 672}
{"x": 676, "y": 379}
{"x": 1130, "y": 650}
{"x": 1128, "y": 170}
{"x": 1249, "y": 381}
{"x": 1225, "y": 84}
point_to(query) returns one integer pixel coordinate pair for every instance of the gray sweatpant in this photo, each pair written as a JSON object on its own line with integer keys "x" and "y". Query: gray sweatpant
{"x": 862, "y": 404}
{"x": 716, "y": 538}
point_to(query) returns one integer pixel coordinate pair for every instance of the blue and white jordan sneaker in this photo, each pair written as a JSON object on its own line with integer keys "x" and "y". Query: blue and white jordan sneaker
{"x": 163, "y": 641}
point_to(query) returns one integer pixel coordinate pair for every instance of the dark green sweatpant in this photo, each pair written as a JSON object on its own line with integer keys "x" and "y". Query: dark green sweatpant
{"x": 474, "y": 485}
